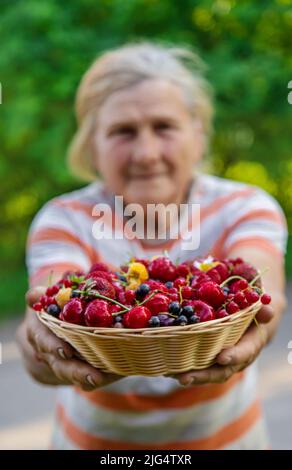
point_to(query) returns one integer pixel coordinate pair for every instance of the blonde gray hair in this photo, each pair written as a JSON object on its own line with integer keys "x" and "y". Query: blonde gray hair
{"x": 127, "y": 66}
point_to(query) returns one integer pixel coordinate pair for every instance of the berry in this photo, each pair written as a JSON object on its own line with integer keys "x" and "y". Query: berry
{"x": 154, "y": 322}
{"x": 203, "y": 310}
{"x": 181, "y": 320}
{"x": 67, "y": 283}
{"x": 187, "y": 292}
{"x": 174, "y": 307}
{"x": 180, "y": 282}
{"x": 182, "y": 270}
{"x": 37, "y": 306}
{"x": 222, "y": 313}
{"x": 63, "y": 296}
{"x": 169, "y": 284}
{"x": 97, "y": 314}
{"x": 137, "y": 317}
{"x": 162, "y": 268}
{"x": 266, "y": 299}
{"x": 232, "y": 307}
{"x": 73, "y": 312}
{"x": 74, "y": 294}
{"x": 163, "y": 318}
{"x": 142, "y": 291}
{"x": 187, "y": 311}
{"x": 194, "y": 319}
{"x": 211, "y": 293}
{"x": 113, "y": 308}
{"x": 98, "y": 267}
{"x": 122, "y": 278}
{"x": 53, "y": 310}
{"x": 226, "y": 290}
{"x": 251, "y": 296}
{"x": 157, "y": 304}
{"x": 245, "y": 270}
{"x": 118, "y": 325}
{"x": 169, "y": 322}
{"x": 238, "y": 285}
{"x": 52, "y": 290}
{"x": 241, "y": 300}
{"x": 103, "y": 287}
{"x": 130, "y": 296}
{"x": 118, "y": 318}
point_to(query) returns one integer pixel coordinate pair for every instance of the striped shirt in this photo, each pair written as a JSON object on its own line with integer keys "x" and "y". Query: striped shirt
{"x": 156, "y": 412}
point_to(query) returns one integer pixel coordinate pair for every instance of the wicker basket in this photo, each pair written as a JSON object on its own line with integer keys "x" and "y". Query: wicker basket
{"x": 153, "y": 351}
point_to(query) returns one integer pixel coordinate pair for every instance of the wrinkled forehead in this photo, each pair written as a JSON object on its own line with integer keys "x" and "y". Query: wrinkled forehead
{"x": 150, "y": 99}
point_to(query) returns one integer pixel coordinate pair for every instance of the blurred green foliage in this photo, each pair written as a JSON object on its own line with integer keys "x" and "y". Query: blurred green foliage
{"x": 45, "y": 48}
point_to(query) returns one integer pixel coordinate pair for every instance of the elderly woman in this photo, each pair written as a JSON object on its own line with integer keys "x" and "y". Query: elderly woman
{"x": 144, "y": 115}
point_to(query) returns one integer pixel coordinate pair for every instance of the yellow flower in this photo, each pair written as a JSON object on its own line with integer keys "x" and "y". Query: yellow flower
{"x": 206, "y": 264}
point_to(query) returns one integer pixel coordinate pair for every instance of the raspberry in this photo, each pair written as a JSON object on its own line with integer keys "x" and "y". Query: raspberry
{"x": 245, "y": 270}
{"x": 130, "y": 296}
{"x": 232, "y": 307}
{"x": 73, "y": 312}
{"x": 182, "y": 270}
{"x": 98, "y": 275}
{"x": 266, "y": 299}
{"x": 162, "y": 268}
{"x": 157, "y": 304}
{"x": 103, "y": 287}
{"x": 97, "y": 314}
{"x": 211, "y": 293}
{"x": 137, "y": 317}
{"x": 99, "y": 267}
{"x": 204, "y": 311}
{"x": 219, "y": 273}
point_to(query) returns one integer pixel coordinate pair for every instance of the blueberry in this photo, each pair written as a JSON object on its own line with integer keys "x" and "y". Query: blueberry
{"x": 226, "y": 290}
{"x": 154, "y": 322}
{"x": 163, "y": 319}
{"x": 122, "y": 278}
{"x": 174, "y": 307}
{"x": 142, "y": 291}
{"x": 118, "y": 319}
{"x": 53, "y": 310}
{"x": 74, "y": 294}
{"x": 170, "y": 321}
{"x": 169, "y": 284}
{"x": 187, "y": 311}
{"x": 194, "y": 319}
{"x": 181, "y": 320}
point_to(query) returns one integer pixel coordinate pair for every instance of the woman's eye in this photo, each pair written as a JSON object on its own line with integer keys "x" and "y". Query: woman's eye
{"x": 163, "y": 126}
{"x": 127, "y": 131}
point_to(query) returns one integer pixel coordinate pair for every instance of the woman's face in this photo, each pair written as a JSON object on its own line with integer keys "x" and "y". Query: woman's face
{"x": 146, "y": 143}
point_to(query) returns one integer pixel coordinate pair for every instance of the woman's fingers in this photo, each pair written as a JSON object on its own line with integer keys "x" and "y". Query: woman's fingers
{"x": 34, "y": 294}
{"x": 44, "y": 341}
{"x": 213, "y": 374}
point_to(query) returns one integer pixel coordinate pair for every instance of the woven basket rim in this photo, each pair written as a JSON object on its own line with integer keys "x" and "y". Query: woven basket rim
{"x": 45, "y": 318}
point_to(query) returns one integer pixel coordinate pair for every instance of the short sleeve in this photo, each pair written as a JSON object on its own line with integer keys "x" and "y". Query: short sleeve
{"x": 54, "y": 244}
{"x": 257, "y": 221}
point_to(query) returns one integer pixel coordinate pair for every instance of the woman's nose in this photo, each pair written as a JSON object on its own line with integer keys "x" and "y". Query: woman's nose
{"x": 147, "y": 148}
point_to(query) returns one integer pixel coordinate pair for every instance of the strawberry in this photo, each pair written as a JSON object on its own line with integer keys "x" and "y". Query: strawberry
{"x": 157, "y": 304}
{"x": 97, "y": 313}
{"x": 211, "y": 293}
{"x": 73, "y": 312}
{"x": 137, "y": 317}
{"x": 162, "y": 268}
{"x": 245, "y": 270}
{"x": 103, "y": 287}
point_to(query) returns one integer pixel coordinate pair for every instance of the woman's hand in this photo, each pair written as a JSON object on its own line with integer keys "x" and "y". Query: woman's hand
{"x": 50, "y": 360}
{"x": 236, "y": 358}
